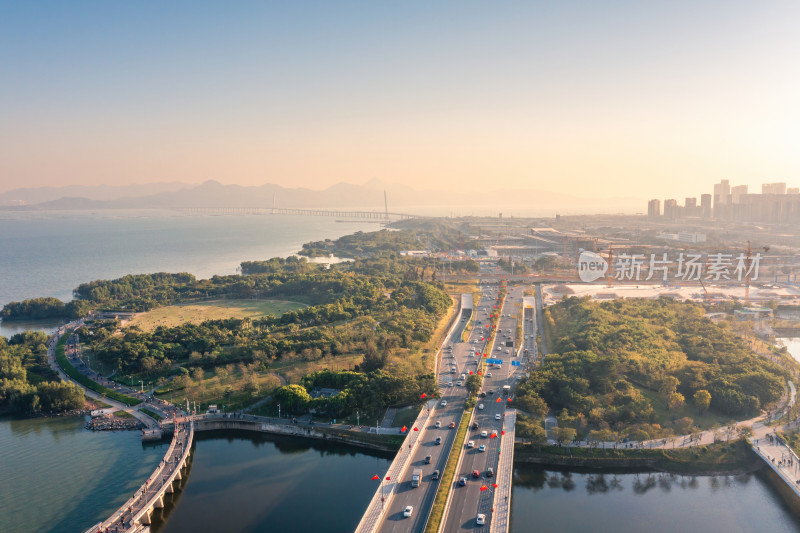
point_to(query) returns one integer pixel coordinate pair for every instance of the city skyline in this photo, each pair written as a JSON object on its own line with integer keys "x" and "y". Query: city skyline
{"x": 610, "y": 100}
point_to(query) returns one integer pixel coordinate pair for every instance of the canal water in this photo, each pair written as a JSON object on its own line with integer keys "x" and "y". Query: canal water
{"x": 792, "y": 345}
{"x": 549, "y": 500}
{"x": 249, "y": 482}
{"x": 57, "y": 477}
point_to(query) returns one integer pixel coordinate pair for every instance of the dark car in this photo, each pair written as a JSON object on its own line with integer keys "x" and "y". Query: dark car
{"x": 435, "y": 475}
{"x": 483, "y": 395}
{"x": 462, "y": 481}
{"x": 427, "y": 459}
{"x": 474, "y": 425}
{"x": 490, "y": 472}
{"x": 438, "y": 440}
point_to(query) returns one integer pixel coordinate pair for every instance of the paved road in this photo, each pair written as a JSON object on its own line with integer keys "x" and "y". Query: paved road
{"x": 421, "y": 498}
{"x": 468, "y": 501}
{"x": 118, "y": 406}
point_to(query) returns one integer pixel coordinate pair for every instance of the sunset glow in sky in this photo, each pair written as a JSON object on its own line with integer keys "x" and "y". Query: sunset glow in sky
{"x": 641, "y": 99}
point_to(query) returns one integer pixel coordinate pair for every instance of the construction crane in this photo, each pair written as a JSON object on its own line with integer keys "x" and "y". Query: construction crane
{"x": 708, "y": 298}
{"x": 747, "y": 263}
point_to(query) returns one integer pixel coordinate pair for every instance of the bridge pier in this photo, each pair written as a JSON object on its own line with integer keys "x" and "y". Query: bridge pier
{"x": 145, "y": 519}
{"x": 159, "y": 502}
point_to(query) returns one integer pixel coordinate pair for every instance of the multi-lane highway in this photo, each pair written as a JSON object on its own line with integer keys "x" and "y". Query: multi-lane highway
{"x": 468, "y": 501}
{"x": 457, "y": 360}
{"x": 421, "y": 498}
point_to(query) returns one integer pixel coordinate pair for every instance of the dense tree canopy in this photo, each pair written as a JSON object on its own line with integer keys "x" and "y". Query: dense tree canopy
{"x": 620, "y": 363}
{"x": 27, "y": 384}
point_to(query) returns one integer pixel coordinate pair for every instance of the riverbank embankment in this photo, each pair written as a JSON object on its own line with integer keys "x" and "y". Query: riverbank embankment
{"x": 735, "y": 457}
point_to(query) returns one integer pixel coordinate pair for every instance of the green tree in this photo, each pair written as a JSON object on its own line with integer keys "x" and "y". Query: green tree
{"x": 668, "y": 386}
{"x": 702, "y": 399}
{"x": 533, "y": 404}
{"x": 292, "y": 398}
{"x": 474, "y": 383}
{"x": 562, "y": 434}
{"x": 675, "y": 401}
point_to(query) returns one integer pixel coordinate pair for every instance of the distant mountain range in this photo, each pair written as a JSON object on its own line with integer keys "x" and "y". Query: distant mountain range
{"x": 342, "y": 195}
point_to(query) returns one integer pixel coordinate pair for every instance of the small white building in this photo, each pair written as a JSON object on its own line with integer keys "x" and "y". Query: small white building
{"x": 683, "y": 236}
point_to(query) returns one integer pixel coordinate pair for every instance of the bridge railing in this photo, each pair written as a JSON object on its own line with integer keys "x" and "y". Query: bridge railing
{"x": 137, "y": 518}
{"x": 133, "y": 500}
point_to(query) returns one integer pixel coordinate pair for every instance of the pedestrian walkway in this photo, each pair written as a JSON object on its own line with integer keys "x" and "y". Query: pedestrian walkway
{"x": 780, "y": 458}
{"x": 501, "y": 514}
{"x": 390, "y": 481}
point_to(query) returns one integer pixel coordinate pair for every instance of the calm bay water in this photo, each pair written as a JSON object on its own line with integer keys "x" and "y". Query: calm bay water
{"x": 51, "y": 253}
{"x": 252, "y": 483}
{"x": 548, "y": 500}
{"x": 57, "y": 477}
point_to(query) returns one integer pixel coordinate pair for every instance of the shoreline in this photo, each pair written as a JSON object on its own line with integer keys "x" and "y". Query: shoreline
{"x": 723, "y": 459}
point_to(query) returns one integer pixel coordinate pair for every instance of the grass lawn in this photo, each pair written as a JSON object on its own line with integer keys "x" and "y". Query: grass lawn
{"x": 405, "y": 416}
{"x": 175, "y": 315}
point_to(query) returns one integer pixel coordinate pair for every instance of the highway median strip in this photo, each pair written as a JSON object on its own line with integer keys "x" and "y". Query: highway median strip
{"x": 446, "y": 482}
{"x": 74, "y": 373}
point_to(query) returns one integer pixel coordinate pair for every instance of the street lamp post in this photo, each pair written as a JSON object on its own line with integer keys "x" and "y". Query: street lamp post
{"x": 279, "y": 410}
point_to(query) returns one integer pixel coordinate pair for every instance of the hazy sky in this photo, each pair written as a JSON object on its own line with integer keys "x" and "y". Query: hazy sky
{"x": 646, "y": 99}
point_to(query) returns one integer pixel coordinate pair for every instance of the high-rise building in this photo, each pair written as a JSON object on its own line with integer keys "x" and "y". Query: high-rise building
{"x": 793, "y": 190}
{"x": 722, "y": 191}
{"x": 722, "y": 200}
{"x": 671, "y": 208}
{"x": 705, "y": 205}
{"x": 737, "y": 193}
{"x": 773, "y": 188}
{"x": 690, "y": 203}
{"x": 654, "y": 208}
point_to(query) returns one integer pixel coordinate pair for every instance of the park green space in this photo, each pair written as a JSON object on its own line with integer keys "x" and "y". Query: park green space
{"x": 643, "y": 369}
{"x": 195, "y": 313}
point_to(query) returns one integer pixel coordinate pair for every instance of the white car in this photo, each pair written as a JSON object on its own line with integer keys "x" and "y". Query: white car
{"x": 488, "y": 375}
{"x": 471, "y": 444}
{"x": 482, "y": 448}
{"x": 437, "y": 424}
{"x": 408, "y": 511}
{"x": 459, "y": 383}
{"x": 499, "y": 348}
{"x": 444, "y": 402}
{"x": 484, "y": 433}
{"x": 480, "y": 407}
{"x": 481, "y": 519}
{"x": 497, "y": 416}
